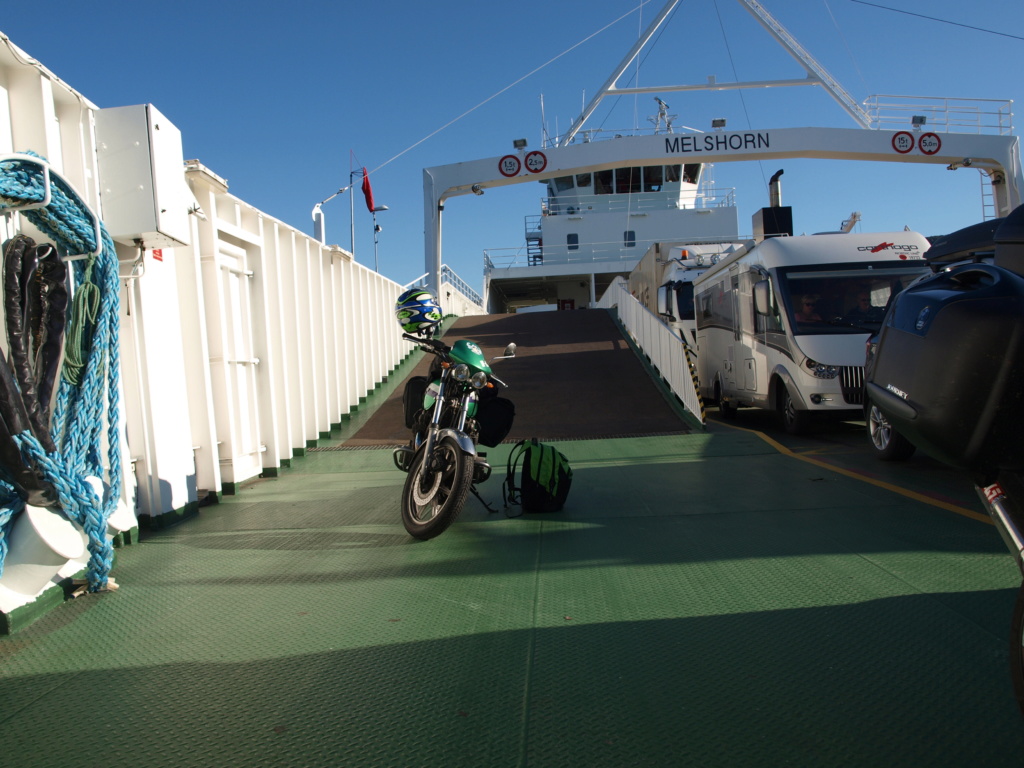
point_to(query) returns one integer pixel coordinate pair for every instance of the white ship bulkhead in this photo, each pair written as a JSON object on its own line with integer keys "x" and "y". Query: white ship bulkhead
{"x": 597, "y": 225}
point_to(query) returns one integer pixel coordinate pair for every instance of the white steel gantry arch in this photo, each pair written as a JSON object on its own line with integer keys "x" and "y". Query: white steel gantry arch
{"x": 997, "y": 156}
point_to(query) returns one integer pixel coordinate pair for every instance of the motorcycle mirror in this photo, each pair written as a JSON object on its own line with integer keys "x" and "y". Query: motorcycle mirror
{"x": 510, "y": 351}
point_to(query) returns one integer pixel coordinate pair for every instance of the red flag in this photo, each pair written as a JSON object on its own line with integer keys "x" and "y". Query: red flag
{"x": 367, "y": 191}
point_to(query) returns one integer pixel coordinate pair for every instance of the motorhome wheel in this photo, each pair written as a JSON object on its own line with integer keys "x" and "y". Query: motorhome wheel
{"x": 794, "y": 420}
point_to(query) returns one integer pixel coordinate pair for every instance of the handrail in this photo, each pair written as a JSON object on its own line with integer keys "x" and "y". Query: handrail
{"x": 663, "y": 346}
{"x": 460, "y": 284}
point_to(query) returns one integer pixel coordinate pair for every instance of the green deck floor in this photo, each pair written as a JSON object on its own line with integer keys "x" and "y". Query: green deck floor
{"x": 704, "y": 601}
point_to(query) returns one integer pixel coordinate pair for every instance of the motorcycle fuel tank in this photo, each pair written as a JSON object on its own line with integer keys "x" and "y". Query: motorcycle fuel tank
{"x": 469, "y": 352}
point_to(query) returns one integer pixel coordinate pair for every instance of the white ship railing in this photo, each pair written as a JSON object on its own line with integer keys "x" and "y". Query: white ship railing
{"x": 660, "y": 344}
{"x": 941, "y": 115}
{"x": 594, "y": 253}
{"x": 582, "y": 205}
{"x": 885, "y": 112}
{"x": 586, "y": 136}
{"x": 456, "y": 297}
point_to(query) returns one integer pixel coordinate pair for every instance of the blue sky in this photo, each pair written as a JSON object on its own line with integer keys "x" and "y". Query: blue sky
{"x": 284, "y": 99}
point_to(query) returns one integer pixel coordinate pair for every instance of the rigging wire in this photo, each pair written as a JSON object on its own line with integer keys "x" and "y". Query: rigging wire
{"x": 633, "y": 79}
{"x": 944, "y": 21}
{"x": 510, "y": 85}
{"x": 846, "y": 45}
{"x": 736, "y": 77}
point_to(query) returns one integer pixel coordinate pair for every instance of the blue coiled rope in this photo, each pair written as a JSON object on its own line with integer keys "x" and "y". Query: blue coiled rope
{"x": 78, "y": 415}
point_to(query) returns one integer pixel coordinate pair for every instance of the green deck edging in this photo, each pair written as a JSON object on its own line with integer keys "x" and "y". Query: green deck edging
{"x": 659, "y": 382}
{"x": 53, "y": 596}
{"x": 23, "y": 615}
{"x": 157, "y": 522}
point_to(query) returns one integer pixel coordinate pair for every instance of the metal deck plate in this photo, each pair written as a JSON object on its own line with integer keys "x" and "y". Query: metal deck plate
{"x": 676, "y": 613}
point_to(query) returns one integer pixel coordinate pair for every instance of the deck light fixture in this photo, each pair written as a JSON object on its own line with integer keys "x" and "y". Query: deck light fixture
{"x": 718, "y": 123}
{"x": 377, "y": 229}
{"x": 918, "y": 121}
{"x": 519, "y": 143}
{"x": 477, "y": 189}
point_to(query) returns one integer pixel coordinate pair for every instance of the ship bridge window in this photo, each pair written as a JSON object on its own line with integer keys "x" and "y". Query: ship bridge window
{"x": 653, "y": 178}
{"x": 563, "y": 183}
{"x": 582, "y": 179}
{"x": 627, "y": 180}
{"x": 672, "y": 173}
{"x": 690, "y": 172}
{"x": 603, "y": 182}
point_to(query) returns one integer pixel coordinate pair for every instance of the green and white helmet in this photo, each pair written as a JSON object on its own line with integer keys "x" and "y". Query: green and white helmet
{"x": 417, "y": 311}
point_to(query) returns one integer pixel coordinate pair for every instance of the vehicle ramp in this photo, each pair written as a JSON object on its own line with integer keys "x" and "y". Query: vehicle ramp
{"x": 575, "y": 376}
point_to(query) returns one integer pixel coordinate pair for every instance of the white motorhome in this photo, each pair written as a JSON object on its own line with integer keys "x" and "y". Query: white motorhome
{"x": 782, "y": 323}
{"x": 663, "y": 281}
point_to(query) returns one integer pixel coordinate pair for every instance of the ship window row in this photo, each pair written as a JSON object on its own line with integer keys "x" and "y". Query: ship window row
{"x": 647, "y": 178}
{"x": 572, "y": 240}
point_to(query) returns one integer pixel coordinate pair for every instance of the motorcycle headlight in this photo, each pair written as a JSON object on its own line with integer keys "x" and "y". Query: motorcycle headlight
{"x": 479, "y": 380}
{"x": 461, "y": 372}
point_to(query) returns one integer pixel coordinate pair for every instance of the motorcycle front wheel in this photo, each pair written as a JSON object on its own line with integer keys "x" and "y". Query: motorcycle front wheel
{"x": 436, "y": 489}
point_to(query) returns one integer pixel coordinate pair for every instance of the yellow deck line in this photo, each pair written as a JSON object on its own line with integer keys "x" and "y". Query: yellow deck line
{"x": 864, "y": 478}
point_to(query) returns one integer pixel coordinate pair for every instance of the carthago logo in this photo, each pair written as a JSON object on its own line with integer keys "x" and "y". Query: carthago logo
{"x": 905, "y": 250}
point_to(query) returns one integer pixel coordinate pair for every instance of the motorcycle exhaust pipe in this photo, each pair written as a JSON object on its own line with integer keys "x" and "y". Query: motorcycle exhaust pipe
{"x": 1003, "y": 515}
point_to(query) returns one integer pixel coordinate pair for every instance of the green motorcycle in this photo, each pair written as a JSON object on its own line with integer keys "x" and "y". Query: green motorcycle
{"x": 450, "y": 411}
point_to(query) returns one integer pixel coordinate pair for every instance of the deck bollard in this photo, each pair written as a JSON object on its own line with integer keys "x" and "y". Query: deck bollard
{"x": 42, "y": 542}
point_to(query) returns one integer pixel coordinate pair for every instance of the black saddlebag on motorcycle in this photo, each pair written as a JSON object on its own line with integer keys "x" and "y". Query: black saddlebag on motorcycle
{"x": 412, "y": 399}
{"x": 948, "y": 370}
{"x": 494, "y": 417}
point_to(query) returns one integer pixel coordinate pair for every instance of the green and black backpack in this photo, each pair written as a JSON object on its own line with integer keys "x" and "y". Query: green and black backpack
{"x": 545, "y": 479}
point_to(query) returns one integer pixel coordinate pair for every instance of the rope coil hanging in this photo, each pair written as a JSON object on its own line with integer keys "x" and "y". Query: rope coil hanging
{"x": 90, "y": 379}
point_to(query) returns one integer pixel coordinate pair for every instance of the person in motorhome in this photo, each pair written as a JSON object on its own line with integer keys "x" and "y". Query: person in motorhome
{"x": 807, "y": 309}
{"x": 864, "y": 309}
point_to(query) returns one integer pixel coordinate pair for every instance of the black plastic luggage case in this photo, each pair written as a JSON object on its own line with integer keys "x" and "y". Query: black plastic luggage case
{"x": 948, "y": 370}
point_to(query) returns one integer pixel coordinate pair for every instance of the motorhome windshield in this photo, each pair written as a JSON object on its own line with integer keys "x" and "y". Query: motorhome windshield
{"x": 838, "y": 299}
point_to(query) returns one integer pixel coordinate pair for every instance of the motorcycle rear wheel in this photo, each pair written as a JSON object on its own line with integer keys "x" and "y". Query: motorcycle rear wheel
{"x": 433, "y": 497}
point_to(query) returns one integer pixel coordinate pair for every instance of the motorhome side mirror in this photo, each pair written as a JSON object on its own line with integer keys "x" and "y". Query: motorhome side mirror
{"x": 665, "y": 301}
{"x": 763, "y": 297}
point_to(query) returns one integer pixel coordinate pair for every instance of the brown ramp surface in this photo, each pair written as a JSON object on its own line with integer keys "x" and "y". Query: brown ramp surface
{"x": 574, "y": 377}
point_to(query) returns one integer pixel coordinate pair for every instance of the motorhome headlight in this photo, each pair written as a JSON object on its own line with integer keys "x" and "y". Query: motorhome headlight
{"x": 479, "y": 380}
{"x": 461, "y": 372}
{"x": 820, "y": 370}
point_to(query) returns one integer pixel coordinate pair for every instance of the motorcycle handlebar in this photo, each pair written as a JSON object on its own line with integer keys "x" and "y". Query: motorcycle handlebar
{"x": 434, "y": 344}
